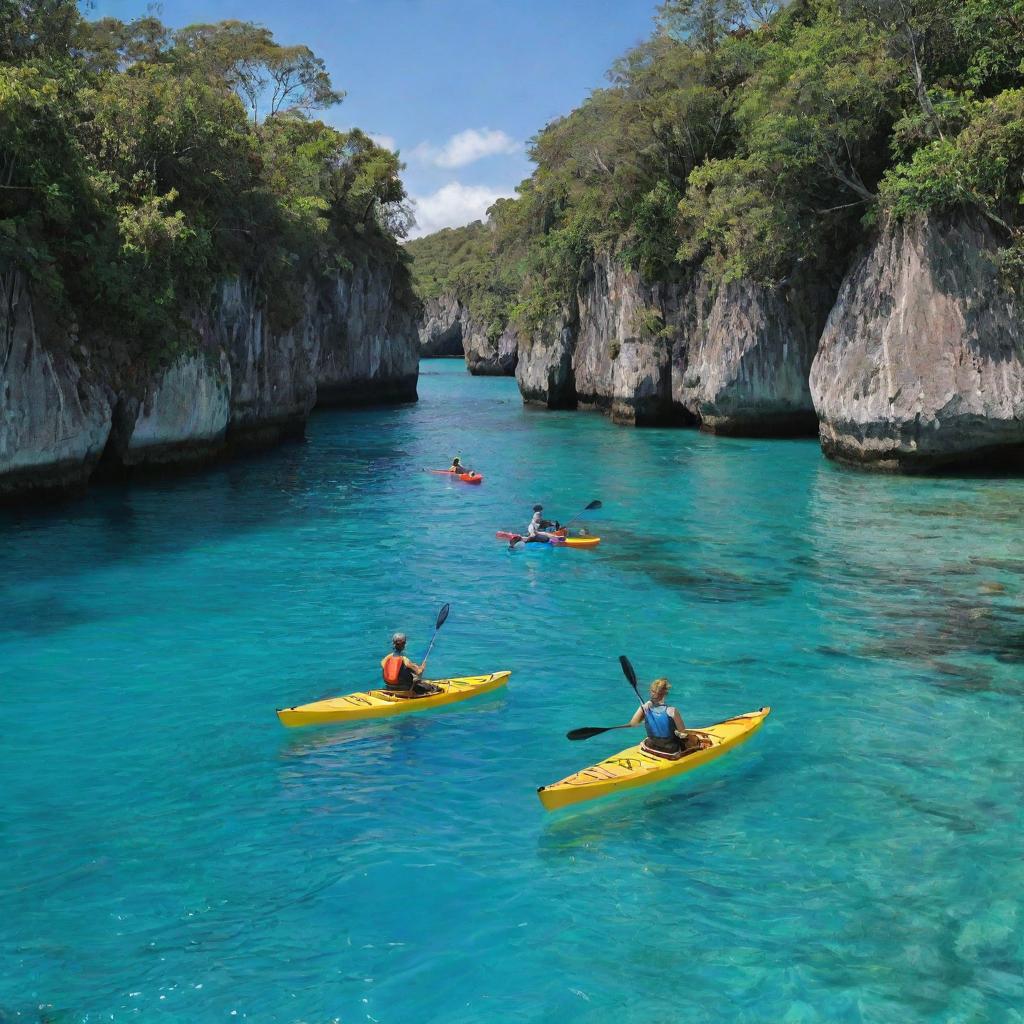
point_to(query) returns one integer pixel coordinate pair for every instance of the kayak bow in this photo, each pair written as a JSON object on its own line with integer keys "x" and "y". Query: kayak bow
{"x": 355, "y": 707}
{"x": 634, "y": 767}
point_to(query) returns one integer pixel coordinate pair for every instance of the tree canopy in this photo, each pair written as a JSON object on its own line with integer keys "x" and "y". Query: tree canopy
{"x": 140, "y": 164}
{"x": 751, "y": 137}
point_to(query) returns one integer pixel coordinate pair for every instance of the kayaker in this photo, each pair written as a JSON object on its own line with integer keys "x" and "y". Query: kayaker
{"x": 401, "y": 674}
{"x": 458, "y": 469}
{"x": 666, "y": 732}
{"x": 538, "y": 529}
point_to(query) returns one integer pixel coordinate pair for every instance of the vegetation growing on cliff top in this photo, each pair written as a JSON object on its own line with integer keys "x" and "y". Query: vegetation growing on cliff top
{"x": 140, "y": 165}
{"x": 754, "y": 137}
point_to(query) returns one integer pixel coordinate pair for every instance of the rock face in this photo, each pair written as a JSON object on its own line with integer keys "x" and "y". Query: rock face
{"x": 622, "y": 363}
{"x": 273, "y": 373}
{"x": 921, "y": 364}
{"x": 441, "y": 328}
{"x": 544, "y": 371}
{"x": 237, "y": 382}
{"x": 734, "y": 359}
{"x": 367, "y": 346}
{"x": 54, "y": 417}
{"x": 448, "y": 328}
{"x": 182, "y": 416}
{"x": 748, "y": 357}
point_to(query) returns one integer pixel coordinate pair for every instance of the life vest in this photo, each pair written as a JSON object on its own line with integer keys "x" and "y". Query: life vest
{"x": 660, "y": 725}
{"x": 392, "y": 668}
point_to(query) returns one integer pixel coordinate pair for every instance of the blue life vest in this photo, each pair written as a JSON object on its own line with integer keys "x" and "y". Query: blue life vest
{"x": 658, "y": 719}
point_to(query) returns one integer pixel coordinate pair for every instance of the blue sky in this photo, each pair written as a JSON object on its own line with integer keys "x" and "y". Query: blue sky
{"x": 458, "y": 85}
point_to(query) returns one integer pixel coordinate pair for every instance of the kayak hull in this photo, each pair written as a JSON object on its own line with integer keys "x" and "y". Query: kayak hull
{"x": 561, "y": 541}
{"x": 357, "y": 707}
{"x": 632, "y": 768}
{"x": 466, "y": 478}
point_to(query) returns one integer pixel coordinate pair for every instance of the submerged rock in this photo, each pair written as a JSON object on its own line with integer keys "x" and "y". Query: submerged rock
{"x": 921, "y": 364}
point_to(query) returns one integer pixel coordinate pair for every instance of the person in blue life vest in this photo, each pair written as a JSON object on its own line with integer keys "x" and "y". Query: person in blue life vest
{"x": 666, "y": 732}
{"x": 402, "y": 676}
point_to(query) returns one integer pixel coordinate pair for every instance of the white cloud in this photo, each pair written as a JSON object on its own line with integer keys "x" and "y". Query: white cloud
{"x": 452, "y": 206}
{"x": 384, "y": 141}
{"x": 467, "y": 147}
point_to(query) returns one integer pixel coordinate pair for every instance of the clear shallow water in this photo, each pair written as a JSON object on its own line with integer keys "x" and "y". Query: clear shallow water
{"x": 170, "y": 853}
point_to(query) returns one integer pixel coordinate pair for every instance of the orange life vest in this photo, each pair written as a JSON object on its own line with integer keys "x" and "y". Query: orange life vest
{"x": 393, "y": 665}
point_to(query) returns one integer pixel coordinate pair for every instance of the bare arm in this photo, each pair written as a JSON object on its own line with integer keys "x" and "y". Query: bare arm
{"x": 678, "y": 719}
{"x": 638, "y": 717}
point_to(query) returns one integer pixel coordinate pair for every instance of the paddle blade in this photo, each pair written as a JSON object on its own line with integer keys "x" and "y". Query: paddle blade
{"x": 442, "y": 615}
{"x": 587, "y": 732}
{"x": 628, "y": 671}
{"x": 593, "y": 505}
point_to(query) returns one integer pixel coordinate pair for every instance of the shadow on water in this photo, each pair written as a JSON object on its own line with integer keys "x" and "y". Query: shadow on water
{"x": 301, "y": 743}
{"x": 37, "y": 617}
{"x": 709, "y": 793}
{"x": 298, "y": 482}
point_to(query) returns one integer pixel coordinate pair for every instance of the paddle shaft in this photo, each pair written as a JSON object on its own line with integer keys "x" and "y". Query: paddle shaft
{"x": 442, "y": 617}
{"x": 429, "y": 649}
{"x": 593, "y": 505}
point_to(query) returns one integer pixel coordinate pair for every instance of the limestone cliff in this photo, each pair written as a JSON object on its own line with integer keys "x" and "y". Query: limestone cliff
{"x": 55, "y": 418}
{"x": 235, "y": 381}
{"x": 441, "y": 328}
{"x": 734, "y": 358}
{"x": 747, "y": 354}
{"x": 544, "y": 371}
{"x": 921, "y": 364}
{"x": 449, "y": 328}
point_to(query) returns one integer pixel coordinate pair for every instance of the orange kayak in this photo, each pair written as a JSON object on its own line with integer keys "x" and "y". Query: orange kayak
{"x": 466, "y": 478}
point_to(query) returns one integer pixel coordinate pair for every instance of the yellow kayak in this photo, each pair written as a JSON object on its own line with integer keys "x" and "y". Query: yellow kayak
{"x": 355, "y": 707}
{"x": 634, "y": 767}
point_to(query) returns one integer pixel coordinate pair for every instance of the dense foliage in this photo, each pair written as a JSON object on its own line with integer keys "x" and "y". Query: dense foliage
{"x": 139, "y": 165}
{"x": 466, "y": 262}
{"x": 751, "y": 137}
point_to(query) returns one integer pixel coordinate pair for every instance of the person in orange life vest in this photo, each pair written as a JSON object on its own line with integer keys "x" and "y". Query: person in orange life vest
{"x": 402, "y": 675}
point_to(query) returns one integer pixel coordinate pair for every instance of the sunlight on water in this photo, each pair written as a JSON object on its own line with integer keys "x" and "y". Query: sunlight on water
{"x": 171, "y": 853}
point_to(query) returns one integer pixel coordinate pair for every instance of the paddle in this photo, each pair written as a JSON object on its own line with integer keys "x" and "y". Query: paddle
{"x": 441, "y": 616}
{"x": 595, "y": 504}
{"x": 588, "y": 731}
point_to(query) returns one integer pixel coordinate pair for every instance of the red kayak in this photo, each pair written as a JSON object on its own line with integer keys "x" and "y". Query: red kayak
{"x": 466, "y": 478}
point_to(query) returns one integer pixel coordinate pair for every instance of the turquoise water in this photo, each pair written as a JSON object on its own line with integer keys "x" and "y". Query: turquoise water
{"x": 170, "y": 853}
